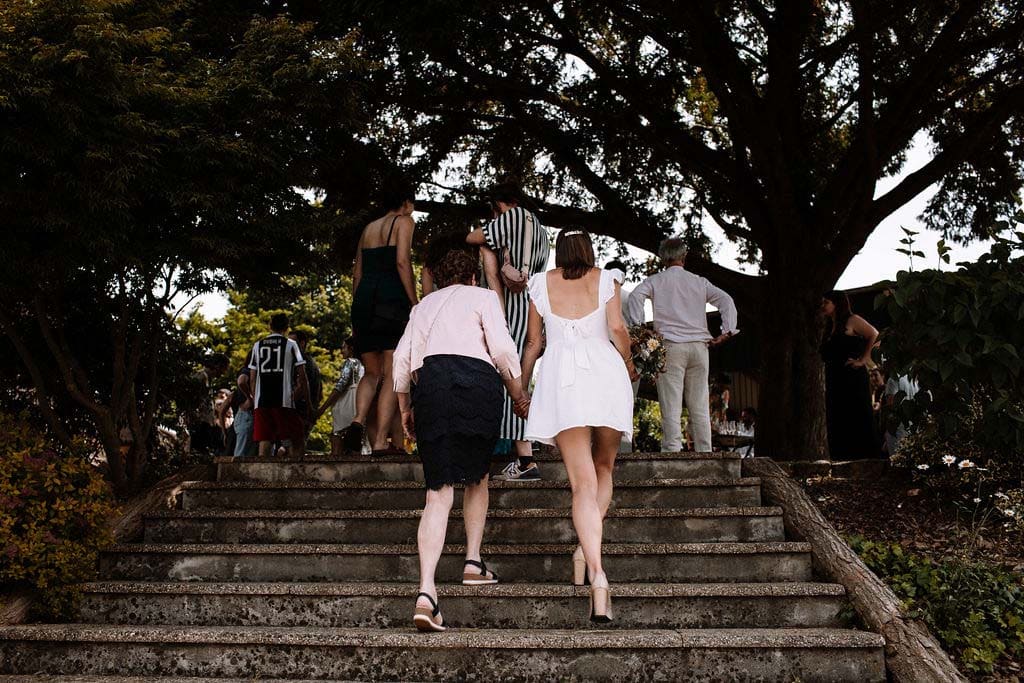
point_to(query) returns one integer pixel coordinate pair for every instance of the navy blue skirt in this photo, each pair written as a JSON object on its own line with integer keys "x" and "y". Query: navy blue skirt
{"x": 458, "y": 410}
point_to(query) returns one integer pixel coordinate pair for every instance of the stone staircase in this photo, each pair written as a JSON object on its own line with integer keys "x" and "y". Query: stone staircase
{"x": 307, "y": 570}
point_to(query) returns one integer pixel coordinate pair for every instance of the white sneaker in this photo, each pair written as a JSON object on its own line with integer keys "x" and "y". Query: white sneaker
{"x": 509, "y": 472}
{"x": 512, "y": 472}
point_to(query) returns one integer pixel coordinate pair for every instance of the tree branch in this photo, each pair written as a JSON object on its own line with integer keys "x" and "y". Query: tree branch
{"x": 42, "y": 394}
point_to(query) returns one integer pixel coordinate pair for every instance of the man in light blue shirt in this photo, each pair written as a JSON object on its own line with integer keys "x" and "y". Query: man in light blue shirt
{"x": 680, "y": 299}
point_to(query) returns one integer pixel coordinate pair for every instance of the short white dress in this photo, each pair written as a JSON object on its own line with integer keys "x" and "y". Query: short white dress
{"x": 582, "y": 381}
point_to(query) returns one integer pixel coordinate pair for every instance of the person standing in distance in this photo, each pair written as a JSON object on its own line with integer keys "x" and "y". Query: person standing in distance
{"x": 277, "y": 374}
{"x": 679, "y": 300}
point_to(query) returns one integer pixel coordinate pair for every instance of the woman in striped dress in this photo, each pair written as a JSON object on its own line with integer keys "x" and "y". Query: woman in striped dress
{"x": 516, "y": 231}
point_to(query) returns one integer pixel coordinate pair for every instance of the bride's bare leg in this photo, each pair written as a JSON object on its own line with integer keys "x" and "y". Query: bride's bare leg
{"x": 606, "y": 448}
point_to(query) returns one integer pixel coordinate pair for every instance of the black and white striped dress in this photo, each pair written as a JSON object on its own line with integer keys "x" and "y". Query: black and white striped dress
{"x": 508, "y": 231}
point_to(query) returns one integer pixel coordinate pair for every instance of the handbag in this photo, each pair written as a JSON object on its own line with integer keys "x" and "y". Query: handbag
{"x": 515, "y": 279}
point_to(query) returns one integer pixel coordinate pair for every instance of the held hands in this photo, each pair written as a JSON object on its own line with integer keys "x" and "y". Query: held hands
{"x": 521, "y": 405}
{"x": 409, "y": 424}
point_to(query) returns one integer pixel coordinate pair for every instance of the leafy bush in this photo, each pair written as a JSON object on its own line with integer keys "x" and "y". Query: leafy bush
{"x": 646, "y": 426}
{"x": 959, "y": 335}
{"x": 975, "y": 609}
{"x": 55, "y": 514}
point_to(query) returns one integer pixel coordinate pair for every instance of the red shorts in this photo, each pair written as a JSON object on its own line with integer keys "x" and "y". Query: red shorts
{"x": 278, "y": 424}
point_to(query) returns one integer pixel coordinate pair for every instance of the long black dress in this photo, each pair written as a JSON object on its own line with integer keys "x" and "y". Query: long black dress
{"x": 380, "y": 307}
{"x": 847, "y": 400}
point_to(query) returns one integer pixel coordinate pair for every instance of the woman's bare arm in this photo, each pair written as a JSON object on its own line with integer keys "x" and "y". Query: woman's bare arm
{"x": 491, "y": 272}
{"x": 357, "y": 272}
{"x": 619, "y": 332}
{"x": 863, "y": 328}
{"x": 403, "y": 257}
{"x": 532, "y": 347}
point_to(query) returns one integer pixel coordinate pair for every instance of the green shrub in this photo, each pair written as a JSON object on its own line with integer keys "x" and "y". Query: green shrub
{"x": 646, "y": 426}
{"x": 55, "y": 514}
{"x": 975, "y": 609}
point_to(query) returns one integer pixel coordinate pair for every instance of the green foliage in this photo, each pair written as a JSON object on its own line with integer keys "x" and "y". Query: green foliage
{"x": 975, "y": 609}
{"x": 960, "y": 335}
{"x": 646, "y": 426}
{"x": 55, "y": 512}
{"x": 150, "y": 148}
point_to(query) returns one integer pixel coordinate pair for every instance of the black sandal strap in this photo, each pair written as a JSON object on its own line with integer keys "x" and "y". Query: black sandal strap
{"x": 433, "y": 603}
{"x": 482, "y": 566}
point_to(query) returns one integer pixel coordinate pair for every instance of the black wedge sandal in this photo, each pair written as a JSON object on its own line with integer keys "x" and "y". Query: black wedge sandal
{"x": 428, "y": 619}
{"x": 484, "y": 578}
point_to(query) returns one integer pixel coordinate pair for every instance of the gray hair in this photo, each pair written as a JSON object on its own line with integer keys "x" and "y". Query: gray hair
{"x": 672, "y": 249}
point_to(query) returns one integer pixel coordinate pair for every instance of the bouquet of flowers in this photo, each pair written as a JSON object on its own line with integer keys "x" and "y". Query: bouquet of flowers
{"x": 648, "y": 349}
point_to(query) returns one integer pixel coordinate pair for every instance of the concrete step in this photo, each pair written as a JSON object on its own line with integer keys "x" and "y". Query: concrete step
{"x": 542, "y": 563}
{"x": 392, "y": 495}
{"x": 408, "y": 468}
{"x": 43, "y": 678}
{"x": 624, "y": 525}
{"x": 834, "y": 655}
{"x": 507, "y": 605}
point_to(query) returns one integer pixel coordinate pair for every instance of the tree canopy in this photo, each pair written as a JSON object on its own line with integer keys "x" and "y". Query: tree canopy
{"x": 775, "y": 120}
{"x": 148, "y": 152}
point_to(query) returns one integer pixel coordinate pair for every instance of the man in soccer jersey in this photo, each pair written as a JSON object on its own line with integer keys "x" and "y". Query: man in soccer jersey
{"x": 277, "y": 375}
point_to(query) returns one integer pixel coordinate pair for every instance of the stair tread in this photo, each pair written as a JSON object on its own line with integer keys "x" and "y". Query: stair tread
{"x": 404, "y": 549}
{"x": 494, "y": 513}
{"x": 324, "y": 458}
{"x": 505, "y": 639}
{"x": 539, "y": 484}
{"x": 47, "y": 678}
{"x": 535, "y": 590}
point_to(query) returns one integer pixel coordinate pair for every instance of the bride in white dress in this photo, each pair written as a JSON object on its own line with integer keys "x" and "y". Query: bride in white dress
{"x": 583, "y": 399}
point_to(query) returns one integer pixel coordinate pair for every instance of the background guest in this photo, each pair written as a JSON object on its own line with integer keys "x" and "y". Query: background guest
{"x": 721, "y": 392}
{"x": 242, "y": 405}
{"x": 846, "y": 352}
{"x": 204, "y": 428}
{"x": 384, "y": 292}
{"x": 449, "y": 369}
{"x": 517, "y": 233}
{"x": 277, "y": 374}
{"x": 679, "y": 300}
{"x": 342, "y": 399}
{"x": 314, "y": 379}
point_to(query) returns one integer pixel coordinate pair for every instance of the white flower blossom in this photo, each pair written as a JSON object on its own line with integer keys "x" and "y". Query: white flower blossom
{"x": 977, "y": 500}
{"x": 1010, "y": 512}
{"x": 922, "y": 466}
{"x": 1000, "y": 494}
{"x": 948, "y": 460}
{"x": 965, "y": 464}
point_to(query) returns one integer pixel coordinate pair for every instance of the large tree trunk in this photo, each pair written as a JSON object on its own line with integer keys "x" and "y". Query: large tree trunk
{"x": 791, "y": 403}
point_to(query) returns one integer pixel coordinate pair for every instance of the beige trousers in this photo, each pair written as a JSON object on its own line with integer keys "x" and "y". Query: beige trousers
{"x": 685, "y": 380}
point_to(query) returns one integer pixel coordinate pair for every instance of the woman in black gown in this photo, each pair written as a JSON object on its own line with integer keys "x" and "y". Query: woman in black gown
{"x": 846, "y": 350}
{"x": 384, "y": 291}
